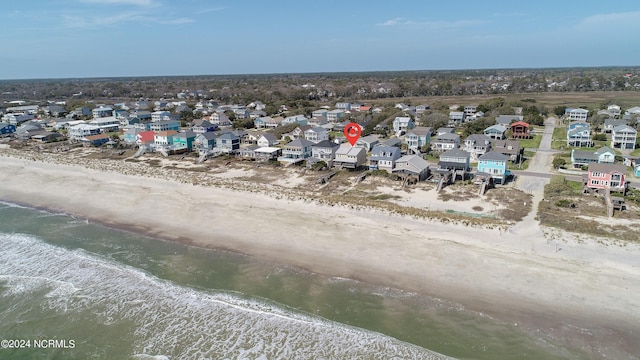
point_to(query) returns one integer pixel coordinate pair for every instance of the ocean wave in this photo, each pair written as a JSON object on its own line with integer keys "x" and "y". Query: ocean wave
{"x": 179, "y": 322}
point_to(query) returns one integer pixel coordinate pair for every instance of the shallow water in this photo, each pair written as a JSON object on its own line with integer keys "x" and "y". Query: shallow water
{"x": 121, "y": 295}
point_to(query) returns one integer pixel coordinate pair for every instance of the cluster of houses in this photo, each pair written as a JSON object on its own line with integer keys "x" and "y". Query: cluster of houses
{"x": 314, "y": 138}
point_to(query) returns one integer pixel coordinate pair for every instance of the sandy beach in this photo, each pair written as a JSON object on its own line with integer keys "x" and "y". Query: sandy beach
{"x": 552, "y": 280}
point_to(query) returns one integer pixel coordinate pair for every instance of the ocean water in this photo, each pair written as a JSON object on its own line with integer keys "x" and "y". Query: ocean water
{"x": 117, "y": 295}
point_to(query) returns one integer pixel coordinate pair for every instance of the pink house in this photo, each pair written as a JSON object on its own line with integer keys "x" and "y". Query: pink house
{"x": 603, "y": 176}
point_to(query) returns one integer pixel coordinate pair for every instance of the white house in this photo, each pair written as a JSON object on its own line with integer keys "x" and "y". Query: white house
{"x": 577, "y": 114}
{"x": 402, "y": 123}
{"x": 623, "y": 137}
{"x": 100, "y": 112}
{"x": 77, "y": 132}
{"x": 316, "y": 134}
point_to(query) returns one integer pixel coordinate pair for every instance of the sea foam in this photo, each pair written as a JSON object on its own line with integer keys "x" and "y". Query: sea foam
{"x": 171, "y": 321}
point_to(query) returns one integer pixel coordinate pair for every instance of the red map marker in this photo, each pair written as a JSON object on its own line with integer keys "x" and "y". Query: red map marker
{"x": 352, "y": 131}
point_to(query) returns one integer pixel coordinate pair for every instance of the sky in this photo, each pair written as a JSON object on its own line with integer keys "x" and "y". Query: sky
{"x": 108, "y": 38}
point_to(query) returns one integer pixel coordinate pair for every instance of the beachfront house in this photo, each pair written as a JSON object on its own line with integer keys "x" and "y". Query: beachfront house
{"x": 130, "y": 135}
{"x": 145, "y": 138}
{"x": 454, "y": 159}
{"x": 205, "y": 141}
{"x": 323, "y": 151}
{"x": 606, "y": 176}
{"x": 164, "y": 138}
{"x": 184, "y": 140}
{"x": 413, "y": 165}
{"x": 77, "y": 132}
{"x": 228, "y": 142}
{"x": 580, "y": 158}
{"x": 383, "y": 158}
{"x": 349, "y": 157}
{"x": 623, "y": 137}
{"x": 477, "y": 145}
{"x": 95, "y": 140}
{"x": 418, "y": 137}
{"x": 494, "y": 164}
{"x": 445, "y": 142}
{"x": 579, "y": 134}
{"x": 296, "y": 151}
{"x": 6, "y": 128}
{"x": 495, "y": 132}
{"x": 266, "y": 153}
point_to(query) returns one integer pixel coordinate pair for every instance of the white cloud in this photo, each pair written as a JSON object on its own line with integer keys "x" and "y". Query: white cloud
{"x": 177, "y": 21}
{"x": 611, "y": 18}
{"x": 75, "y": 21}
{"x": 210, "y": 10}
{"x": 440, "y": 24}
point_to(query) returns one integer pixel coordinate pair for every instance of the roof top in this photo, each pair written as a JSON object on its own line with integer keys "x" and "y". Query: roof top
{"x": 300, "y": 142}
{"x": 325, "y": 144}
{"x": 455, "y": 153}
{"x": 607, "y": 168}
{"x": 494, "y": 156}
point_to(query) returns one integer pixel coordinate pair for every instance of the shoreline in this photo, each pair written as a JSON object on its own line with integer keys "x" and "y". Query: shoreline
{"x": 511, "y": 273}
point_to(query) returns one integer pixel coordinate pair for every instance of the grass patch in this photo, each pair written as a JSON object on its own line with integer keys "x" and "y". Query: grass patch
{"x": 559, "y": 138}
{"x": 383, "y": 197}
{"x": 533, "y": 143}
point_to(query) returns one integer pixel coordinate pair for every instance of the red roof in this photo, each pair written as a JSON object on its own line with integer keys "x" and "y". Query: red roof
{"x": 365, "y": 108}
{"x": 146, "y": 136}
{"x": 520, "y": 123}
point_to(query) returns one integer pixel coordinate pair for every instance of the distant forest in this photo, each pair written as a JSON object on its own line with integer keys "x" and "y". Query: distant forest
{"x": 311, "y": 87}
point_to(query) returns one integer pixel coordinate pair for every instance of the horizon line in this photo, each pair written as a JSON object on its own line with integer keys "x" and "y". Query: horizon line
{"x": 322, "y": 72}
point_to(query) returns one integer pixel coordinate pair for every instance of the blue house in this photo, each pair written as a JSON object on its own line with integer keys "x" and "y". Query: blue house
{"x": 228, "y": 142}
{"x": 418, "y": 137}
{"x": 494, "y": 164}
{"x": 636, "y": 170}
{"x": 7, "y": 129}
{"x": 579, "y": 134}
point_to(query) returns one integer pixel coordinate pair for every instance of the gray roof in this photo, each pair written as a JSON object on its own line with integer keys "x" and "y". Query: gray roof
{"x": 455, "y": 153}
{"x": 209, "y": 135}
{"x": 585, "y": 155}
{"x": 508, "y": 119}
{"x": 383, "y": 152}
{"x": 325, "y": 144}
{"x": 614, "y": 122}
{"x": 415, "y": 161}
{"x": 185, "y": 134}
{"x": 607, "y": 168}
{"x": 420, "y": 131}
{"x": 494, "y": 156}
{"x": 269, "y": 136}
{"x": 300, "y": 142}
{"x": 625, "y": 128}
{"x": 496, "y": 127}
{"x": 478, "y": 138}
{"x": 603, "y": 150}
{"x": 445, "y": 130}
{"x": 448, "y": 136}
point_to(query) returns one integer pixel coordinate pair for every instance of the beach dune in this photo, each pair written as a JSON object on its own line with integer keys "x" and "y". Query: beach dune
{"x": 555, "y": 281}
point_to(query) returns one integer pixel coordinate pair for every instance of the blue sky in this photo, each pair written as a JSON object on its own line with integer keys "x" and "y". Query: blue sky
{"x": 100, "y": 38}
